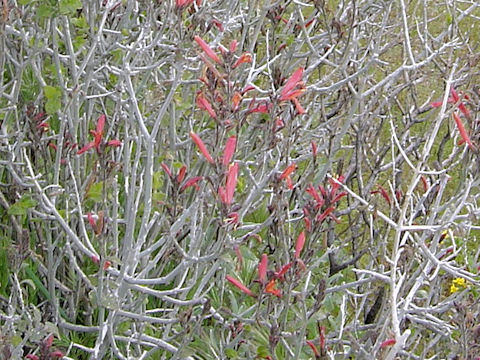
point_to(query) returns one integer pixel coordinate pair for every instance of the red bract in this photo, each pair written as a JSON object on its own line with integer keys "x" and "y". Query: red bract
{"x": 181, "y": 174}
{"x": 290, "y": 169}
{"x": 262, "y": 269}
{"x": 462, "y": 131}
{"x": 183, "y": 3}
{"x": 314, "y": 149}
{"x": 201, "y": 146}
{"x": 207, "y": 49}
{"x": 299, "y": 244}
{"x": 238, "y": 284}
{"x": 114, "y": 143}
{"x": 313, "y": 192}
{"x": 236, "y": 99}
{"x": 203, "y": 104}
{"x": 91, "y": 220}
{"x": 229, "y": 150}
{"x": 32, "y": 357}
{"x": 233, "y": 46}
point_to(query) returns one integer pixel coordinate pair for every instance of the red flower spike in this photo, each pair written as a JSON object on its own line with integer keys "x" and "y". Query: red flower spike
{"x": 326, "y": 213}
{"x": 270, "y": 288}
{"x": 181, "y": 174}
{"x": 57, "y": 354}
{"x": 53, "y": 146}
{"x": 299, "y": 244}
{"x": 222, "y": 194}
{"x": 229, "y": 150}
{"x": 87, "y": 147}
{"x": 203, "y": 104}
{"x": 95, "y": 259}
{"x": 238, "y": 284}
{"x": 262, "y": 269}
{"x": 313, "y": 192}
{"x": 338, "y": 197}
{"x": 314, "y": 348}
{"x": 291, "y": 84}
{"x": 218, "y": 24}
{"x": 462, "y": 131}
{"x": 231, "y": 183}
{"x": 262, "y": 108}
{"x": 388, "y": 342}
{"x": 233, "y": 46}
{"x": 290, "y": 169}
{"x": 207, "y": 49}
{"x": 245, "y": 58}
{"x": 167, "y": 170}
{"x": 191, "y": 182}
{"x": 280, "y": 274}
{"x": 384, "y": 194}
{"x": 32, "y": 357}
{"x": 114, "y": 143}
{"x": 201, "y": 146}
{"x": 232, "y": 218}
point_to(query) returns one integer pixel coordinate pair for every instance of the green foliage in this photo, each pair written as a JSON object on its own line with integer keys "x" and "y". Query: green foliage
{"x": 53, "y": 95}
{"x": 22, "y": 205}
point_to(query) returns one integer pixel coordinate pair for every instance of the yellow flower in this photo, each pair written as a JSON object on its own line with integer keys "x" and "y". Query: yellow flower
{"x": 453, "y": 289}
{"x": 459, "y": 282}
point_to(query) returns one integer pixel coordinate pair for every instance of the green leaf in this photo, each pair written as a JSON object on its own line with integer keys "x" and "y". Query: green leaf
{"x": 69, "y": 7}
{"x": 45, "y": 11}
{"x": 230, "y": 353}
{"x": 96, "y": 192}
{"x": 25, "y": 2}
{"x": 22, "y": 205}
{"x": 262, "y": 351}
{"x": 53, "y": 95}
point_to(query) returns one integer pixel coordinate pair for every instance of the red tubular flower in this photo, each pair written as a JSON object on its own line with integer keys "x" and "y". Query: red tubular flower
{"x": 48, "y": 341}
{"x": 166, "y": 169}
{"x": 314, "y": 149}
{"x": 114, "y": 143}
{"x": 388, "y": 342}
{"x": 238, "y": 284}
{"x": 181, "y": 174}
{"x": 191, "y": 182}
{"x": 271, "y": 289}
{"x": 462, "y": 131}
{"x": 245, "y": 58}
{"x": 203, "y": 104}
{"x": 32, "y": 357}
{"x": 288, "y": 179}
{"x": 201, "y": 146}
{"x": 318, "y": 198}
{"x": 262, "y": 269}
{"x": 231, "y": 183}
{"x": 454, "y": 99}
{"x": 280, "y": 273}
{"x": 299, "y": 244}
{"x": 326, "y": 213}
{"x": 106, "y": 265}
{"x": 98, "y": 137}
{"x": 87, "y": 147}
{"x": 236, "y": 99}
{"x": 91, "y": 220}
{"x": 183, "y": 3}
{"x": 308, "y": 224}
{"x": 382, "y": 192}
{"x": 290, "y": 169}
{"x": 262, "y": 108}
{"x": 292, "y": 83}
{"x": 229, "y": 150}
{"x": 233, "y": 46}
{"x": 207, "y": 49}
{"x": 314, "y": 348}
{"x": 57, "y": 354}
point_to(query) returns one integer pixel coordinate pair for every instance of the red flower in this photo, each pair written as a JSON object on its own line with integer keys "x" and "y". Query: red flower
{"x": 262, "y": 268}
{"x": 314, "y": 348}
{"x": 98, "y": 137}
{"x": 245, "y": 58}
{"x": 191, "y": 182}
{"x": 207, "y": 49}
{"x": 183, "y": 3}
{"x": 181, "y": 174}
{"x": 454, "y": 99}
{"x": 271, "y": 289}
{"x": 166, "y": 169}
{"x": 226, "y": 195}
{"x": 201, "y": 146}
{"x": 229, "y": 150}
{"x": 203, "y": 104}
{"x": 240, "y": 286}
{"x": 290, "y": 90}
{"x": 462, "y": 131}
{"x": 290, "y": 169}
{"x": 280, "y": 273}
{"x": 388, "y": 342}
{"x": 382, "y": 192}
{"x": 299, "y": 244}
